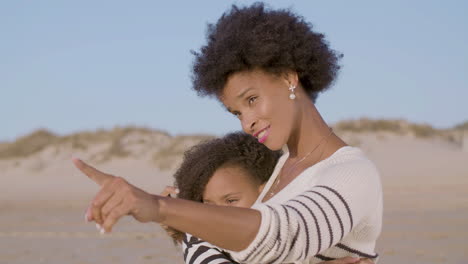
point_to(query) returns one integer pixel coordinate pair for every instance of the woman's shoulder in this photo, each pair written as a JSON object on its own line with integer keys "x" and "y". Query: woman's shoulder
{"x": 349, "y": 164}
{"x": 346, "y": 162}
{"x": 347, "y": 156}
{"x": 341, "y": 155}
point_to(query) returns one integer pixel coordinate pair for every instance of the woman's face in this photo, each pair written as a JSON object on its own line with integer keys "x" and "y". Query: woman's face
{"x": 261, "y": 102}
{"x": 232, "y": 186}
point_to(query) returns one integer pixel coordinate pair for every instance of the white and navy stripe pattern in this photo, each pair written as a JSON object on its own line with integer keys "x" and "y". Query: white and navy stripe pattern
{"x": 197, "y": 251}
{"x": 338, "y": 215}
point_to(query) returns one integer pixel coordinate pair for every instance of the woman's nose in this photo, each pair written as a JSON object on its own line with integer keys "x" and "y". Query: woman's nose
{"x": 248, "y": 125}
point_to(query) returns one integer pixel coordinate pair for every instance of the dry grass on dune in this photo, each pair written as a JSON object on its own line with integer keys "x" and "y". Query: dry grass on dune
{"x": 166, "y": 151}
{"x": 103, "y": 145}
{"x": 402, "y": 127}
{"x": 40, "y": 139}
{"x": 173, "y": 152}
{"x": 27, "y": 145}
{"x": 462, "y": 126}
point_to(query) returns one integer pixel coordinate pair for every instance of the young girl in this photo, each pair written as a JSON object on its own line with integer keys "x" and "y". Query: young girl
{"x": 324, "y": 198}
{"x": 227, "y": 171}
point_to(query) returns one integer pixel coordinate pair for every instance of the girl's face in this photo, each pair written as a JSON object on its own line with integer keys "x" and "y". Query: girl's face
{"x": 232, "y": 186}
{"x": 261, "y": 102}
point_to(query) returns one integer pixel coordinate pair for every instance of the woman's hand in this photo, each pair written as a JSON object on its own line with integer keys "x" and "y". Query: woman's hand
{"x": 118, "y": 198}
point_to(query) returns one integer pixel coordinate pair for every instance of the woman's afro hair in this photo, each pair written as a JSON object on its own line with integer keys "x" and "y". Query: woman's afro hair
{"x": 201, "y": 161}
{"x": 257, "y": 37}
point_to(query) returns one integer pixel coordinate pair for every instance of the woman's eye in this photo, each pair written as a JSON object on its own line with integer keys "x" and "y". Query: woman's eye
{"x": 252, "y": 100}
{"x": 236, "y": 114}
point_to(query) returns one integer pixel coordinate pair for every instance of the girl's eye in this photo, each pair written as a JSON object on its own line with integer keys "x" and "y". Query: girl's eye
{"x": 230, "y": 201}
{"x": 252, "y": 99}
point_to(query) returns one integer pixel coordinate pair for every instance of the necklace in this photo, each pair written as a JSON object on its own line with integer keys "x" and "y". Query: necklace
{"x": 277, "y": 180}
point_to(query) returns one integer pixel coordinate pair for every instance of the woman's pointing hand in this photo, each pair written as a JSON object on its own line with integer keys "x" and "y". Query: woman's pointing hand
{"x": 117, "y": 198}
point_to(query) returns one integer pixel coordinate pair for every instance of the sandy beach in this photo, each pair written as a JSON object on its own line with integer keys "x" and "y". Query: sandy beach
{"x": 43, "y": 199}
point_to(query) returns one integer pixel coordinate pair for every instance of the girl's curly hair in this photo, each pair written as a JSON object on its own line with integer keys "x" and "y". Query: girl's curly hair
{"x": 201, "y": 161}
{"x": 257, "y": 37}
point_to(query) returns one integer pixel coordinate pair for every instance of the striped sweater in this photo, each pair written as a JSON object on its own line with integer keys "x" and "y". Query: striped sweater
{"x": 331, "y": 210}
{"x": 197, "y": 251}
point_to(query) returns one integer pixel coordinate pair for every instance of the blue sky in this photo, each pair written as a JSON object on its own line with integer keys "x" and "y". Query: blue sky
{"x": 82, "y": 65}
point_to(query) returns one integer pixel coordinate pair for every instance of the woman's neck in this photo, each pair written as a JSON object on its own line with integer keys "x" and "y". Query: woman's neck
{"x": 308, "y": 132}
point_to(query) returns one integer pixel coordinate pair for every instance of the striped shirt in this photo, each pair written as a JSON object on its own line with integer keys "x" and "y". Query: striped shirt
{"x": 197, "y": 251}
{"x": 331, "y": 210}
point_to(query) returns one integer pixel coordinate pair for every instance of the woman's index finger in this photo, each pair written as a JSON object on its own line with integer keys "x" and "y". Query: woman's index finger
{"x": 97, "y": 176}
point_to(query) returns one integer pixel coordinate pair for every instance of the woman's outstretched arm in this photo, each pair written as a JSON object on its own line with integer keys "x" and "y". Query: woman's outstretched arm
{"x": 227, "y": 227}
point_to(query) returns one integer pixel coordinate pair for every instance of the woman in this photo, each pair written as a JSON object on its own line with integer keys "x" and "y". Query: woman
{"x": 324, "y": 198}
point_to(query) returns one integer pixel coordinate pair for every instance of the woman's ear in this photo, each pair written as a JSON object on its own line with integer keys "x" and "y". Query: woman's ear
{"x": 291, "y": 78}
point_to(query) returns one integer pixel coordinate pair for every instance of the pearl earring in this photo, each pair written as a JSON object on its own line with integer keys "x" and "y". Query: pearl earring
{"x": 292, "y": 95}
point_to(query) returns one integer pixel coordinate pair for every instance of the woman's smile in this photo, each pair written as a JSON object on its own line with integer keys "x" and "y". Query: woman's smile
{"x": 262, "y": 135}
